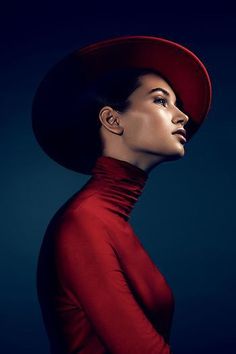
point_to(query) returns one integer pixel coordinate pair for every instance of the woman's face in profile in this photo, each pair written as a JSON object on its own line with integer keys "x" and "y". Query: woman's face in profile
{"x": 152, "y": 118}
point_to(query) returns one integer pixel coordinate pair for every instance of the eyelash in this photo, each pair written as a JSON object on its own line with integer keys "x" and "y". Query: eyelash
{"x": 161, "y": 99}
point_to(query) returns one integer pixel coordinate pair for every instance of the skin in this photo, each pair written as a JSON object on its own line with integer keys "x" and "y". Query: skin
{"x": 143, "y": 135}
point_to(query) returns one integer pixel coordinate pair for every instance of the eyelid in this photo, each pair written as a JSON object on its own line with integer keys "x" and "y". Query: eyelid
{"x": 160, "y": 97}
{"x": 163, "y": 97}
{"x": 166, "y": 99}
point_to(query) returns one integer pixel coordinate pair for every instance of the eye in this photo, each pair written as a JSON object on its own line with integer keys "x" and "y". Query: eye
{"x": 160, "y": 100}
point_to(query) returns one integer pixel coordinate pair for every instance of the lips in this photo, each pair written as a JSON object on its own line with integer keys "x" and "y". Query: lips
{"x": 181, "y": 132}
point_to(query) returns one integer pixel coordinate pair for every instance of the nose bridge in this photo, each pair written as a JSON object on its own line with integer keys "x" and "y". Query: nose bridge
{"x": 180, "y": 115}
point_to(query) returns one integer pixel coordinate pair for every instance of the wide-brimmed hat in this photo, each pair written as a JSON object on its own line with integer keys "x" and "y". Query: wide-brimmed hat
{"x": 56, "y": 100}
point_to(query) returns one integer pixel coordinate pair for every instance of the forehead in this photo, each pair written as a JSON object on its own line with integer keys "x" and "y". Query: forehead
{"x": 150, "y": 81}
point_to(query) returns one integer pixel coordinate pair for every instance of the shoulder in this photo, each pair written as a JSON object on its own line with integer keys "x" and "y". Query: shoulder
{"x": 84, "y": 233}
{"x": 82, "y": 225}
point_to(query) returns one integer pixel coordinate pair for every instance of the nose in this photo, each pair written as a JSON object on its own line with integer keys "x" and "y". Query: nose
{"x": 180, "y": 116}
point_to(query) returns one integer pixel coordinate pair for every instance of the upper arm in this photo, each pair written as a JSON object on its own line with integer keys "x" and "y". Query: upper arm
{"x": 88, "y": 265}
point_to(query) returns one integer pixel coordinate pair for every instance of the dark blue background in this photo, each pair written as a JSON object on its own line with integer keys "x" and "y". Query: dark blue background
{"x": 186, "y": 215}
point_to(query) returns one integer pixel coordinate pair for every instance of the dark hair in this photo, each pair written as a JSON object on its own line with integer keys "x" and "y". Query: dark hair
{"x": 112, "y": 89}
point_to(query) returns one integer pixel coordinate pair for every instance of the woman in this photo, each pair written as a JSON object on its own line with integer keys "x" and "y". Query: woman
{"x": 115, "y": 110}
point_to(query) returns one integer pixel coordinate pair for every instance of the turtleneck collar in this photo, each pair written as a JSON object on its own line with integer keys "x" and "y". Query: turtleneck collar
{"x": 120, "y": 183}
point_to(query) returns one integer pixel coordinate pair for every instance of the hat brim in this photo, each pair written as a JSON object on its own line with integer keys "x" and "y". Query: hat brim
{"x": 184, "y": 71}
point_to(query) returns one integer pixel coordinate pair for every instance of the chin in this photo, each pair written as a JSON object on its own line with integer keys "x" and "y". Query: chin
{"x": 175, "y": 156}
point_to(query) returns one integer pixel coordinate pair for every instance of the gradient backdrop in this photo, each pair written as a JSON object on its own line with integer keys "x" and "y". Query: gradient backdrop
{"x": 186, "y": 214}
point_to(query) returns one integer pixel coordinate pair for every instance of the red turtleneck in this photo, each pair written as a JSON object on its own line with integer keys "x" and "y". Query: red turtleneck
{"x": 98, "y": 289}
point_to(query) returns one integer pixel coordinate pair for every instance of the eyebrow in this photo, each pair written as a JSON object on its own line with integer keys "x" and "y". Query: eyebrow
{"x": 162, "y": 90}
{"x": 178, "y": 102}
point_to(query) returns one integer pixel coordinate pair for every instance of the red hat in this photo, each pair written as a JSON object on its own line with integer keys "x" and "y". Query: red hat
{"x": 56, "y": 97}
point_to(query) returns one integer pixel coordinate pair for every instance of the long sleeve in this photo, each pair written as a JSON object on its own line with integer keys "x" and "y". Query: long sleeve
{"x": 88, "y": 267}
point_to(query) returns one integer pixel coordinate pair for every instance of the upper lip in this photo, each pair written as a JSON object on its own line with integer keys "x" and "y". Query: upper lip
{"x": 180, "y": 131}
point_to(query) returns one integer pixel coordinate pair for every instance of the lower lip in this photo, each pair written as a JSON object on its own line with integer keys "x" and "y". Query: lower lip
{"x": 181, "y": 136}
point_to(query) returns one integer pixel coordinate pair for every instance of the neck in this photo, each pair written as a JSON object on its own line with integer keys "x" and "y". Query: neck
{"x": 120, "y": 184}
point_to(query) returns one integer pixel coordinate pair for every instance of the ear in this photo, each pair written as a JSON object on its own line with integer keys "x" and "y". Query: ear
{"x": 110, "y": 119}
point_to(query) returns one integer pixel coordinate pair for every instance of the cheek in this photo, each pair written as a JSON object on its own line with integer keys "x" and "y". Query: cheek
{"x": 142, "y": 130}
{"x": 139, "y": 125}
{"x": 154, "y": 127}
{"x": 147, "y": 129}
